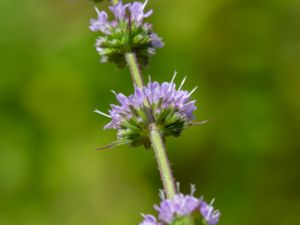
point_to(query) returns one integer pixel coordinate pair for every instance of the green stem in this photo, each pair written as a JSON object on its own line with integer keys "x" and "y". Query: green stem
{"x": 162, "y": 161}
{"x": 155, "y": 136}
{"x": 135, "y": 72}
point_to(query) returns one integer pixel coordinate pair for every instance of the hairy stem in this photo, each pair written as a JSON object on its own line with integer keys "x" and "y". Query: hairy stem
{"x": 135, "y": 72}
{"x": 162, "y": 161}
{"x": 155, "y": 136}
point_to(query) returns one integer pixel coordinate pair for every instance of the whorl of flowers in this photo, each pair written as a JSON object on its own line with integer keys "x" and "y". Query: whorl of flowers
{"x": 171, "y": 109}
{"x": 127, "y": 32}
{"x": 183, "y": 209}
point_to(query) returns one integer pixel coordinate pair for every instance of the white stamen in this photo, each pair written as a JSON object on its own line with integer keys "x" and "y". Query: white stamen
{"x": 178, "y": 187}
{"x": 212, "y": 202}
{"x": 115, "y": 93}
{"x": 182, "y": 83}
{"x": 162, "y": 194}
{"x": 193, "y": 189}
{"x": 192, "y": 91}
{"x": 97, "y": 10}
{"x": 145, "y": 3}
{"x": 102, "y": 113}
{"x": 173, "y": 78}
{"x": 149, "y": 78}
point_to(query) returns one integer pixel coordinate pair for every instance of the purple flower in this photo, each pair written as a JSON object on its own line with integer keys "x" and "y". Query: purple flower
{"x": 210, "y": 215}
{"x": 161, "y": 97}
{"x": 119, "y": 10}
{"x": 116, "y": 37}
{"x": 181, "y": 206}
{"x": 137, "y": 11}
{"x": 156, "y": 41}
{"x": 171, "y": 108}
{"x": 149, "y": 220}
{"x": 101, "y": 23}
{"x": 166, "y": 211}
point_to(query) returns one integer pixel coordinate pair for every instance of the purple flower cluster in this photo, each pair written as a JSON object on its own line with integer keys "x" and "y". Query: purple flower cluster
{"x": 136, "y": 10}
{"x": 161, "y": 97}
{"x": 126, "y": 31}
{"x": 170, "y": 108}
{"x": 181, "y": 206}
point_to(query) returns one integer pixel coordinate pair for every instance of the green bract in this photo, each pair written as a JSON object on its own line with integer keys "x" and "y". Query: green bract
{"x": 136, "y": 130}
{"x": 125, "y": 38}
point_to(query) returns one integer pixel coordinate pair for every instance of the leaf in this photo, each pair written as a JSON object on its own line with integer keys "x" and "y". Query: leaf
{"x": 199, "y": 123}
{"x": 114, "y": 144}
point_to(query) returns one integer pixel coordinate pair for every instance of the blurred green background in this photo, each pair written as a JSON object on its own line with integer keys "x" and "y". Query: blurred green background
{"x": 243, "y": 54}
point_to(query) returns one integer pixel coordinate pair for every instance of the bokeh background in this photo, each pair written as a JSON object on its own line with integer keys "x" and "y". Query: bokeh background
{"x": 243, "y": 54}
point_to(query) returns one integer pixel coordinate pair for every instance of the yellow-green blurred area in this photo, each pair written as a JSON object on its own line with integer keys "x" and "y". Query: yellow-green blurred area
{"x": 243, "y": 54}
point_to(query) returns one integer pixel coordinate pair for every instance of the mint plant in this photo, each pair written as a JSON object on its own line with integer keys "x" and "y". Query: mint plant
{"x": 153, "y": 112}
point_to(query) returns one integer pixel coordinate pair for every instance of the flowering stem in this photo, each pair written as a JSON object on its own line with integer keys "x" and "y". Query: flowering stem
{"x": 162, "y": 161}
{"x": 136, "y": 75}
{"x": 155, "y": 137}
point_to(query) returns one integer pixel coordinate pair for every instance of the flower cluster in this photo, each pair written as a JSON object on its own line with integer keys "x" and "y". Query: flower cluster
{"x": 169, "y": 108}
{"x": 183, "y": 209}
{"x": 126, "y": 33}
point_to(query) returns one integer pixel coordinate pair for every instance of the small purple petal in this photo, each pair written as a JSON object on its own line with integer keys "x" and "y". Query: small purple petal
{"x": 166, "y": 211}
{"x": 149, "y": 220}
{"x": 147, "y": 26}
{"x": 210, "y": 215}
{"x": 156, "y": 41}
{"x": 119, "y": 10}
{"x": 137, "y": 12}
{"x": 101, "y": 23}
{"x": 186, "y": 204}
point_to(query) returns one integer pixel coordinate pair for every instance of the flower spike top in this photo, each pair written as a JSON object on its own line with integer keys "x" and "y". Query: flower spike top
{"x": 171, "y": 109}
{"x": 126, "y": 33}
{"x": 183, "y": 209}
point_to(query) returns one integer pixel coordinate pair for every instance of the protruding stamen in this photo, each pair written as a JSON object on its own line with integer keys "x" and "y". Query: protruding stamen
{"x": 145, "y": 3}
{"x": 201, "y": 198}
{"x": 212, "y": 202}
{"x": 97, "y": 10}
{"x": 102, "y": 113}
{"x": 115, "y": 93}
{"x": 178, "y": 187}
{"x": 174, "y": 76}
{"x": 193, "y": 189}
{"x": 162, "y": 194}
{"x": 149, "y": 78}
{"x": 182, "y": 83}
{"x": 192, "y": 91}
